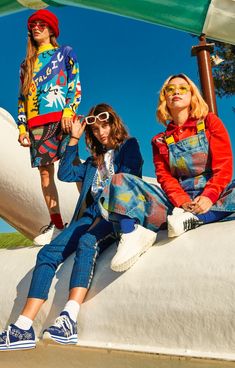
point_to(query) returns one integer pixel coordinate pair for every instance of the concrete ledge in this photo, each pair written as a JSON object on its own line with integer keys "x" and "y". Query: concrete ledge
{"x": 178, "y": 299}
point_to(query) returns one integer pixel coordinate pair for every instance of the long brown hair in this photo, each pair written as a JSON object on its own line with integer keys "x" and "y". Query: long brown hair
{"x": 198, "y": 108}
{"x": 117, "y": 135}
{"x": 28, "y": 64}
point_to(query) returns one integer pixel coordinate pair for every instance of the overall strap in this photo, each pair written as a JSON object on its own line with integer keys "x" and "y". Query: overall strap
{"x": 170, "y": 140}
{"x": 201, "y": 126}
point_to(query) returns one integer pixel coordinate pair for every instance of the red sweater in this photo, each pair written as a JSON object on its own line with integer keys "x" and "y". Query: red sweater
{"x": 219, "y": 149}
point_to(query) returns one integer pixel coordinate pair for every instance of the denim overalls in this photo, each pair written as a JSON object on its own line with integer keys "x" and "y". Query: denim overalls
{"x": 190, "y": 163}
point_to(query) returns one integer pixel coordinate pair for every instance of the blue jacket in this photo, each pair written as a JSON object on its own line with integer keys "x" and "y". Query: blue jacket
{"x": 127, "y": 159}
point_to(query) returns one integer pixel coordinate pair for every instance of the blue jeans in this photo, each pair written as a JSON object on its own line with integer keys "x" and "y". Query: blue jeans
{"x": 75, "y": 238}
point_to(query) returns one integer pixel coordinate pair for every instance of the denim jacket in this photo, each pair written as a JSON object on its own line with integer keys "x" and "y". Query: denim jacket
{"x": 127, "y": 159}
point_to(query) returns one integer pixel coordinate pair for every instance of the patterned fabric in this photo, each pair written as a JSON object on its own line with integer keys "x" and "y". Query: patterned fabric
{"x": 131, "y": 196}
{"x": 63, "y": 331}
{"x": 14, "y": 338}
{"x": 48, "y": 143}
{"x": 103, "y": 174}
{"x": 221, "y": 161}
{"x": 189, "y": 162}
{"x": 127, "y": 159}
{"x": 55, "y": 90}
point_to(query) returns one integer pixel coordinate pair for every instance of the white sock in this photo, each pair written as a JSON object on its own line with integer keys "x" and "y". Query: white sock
{"x": 24, "y": 322}
{"x": 72, "y": 307}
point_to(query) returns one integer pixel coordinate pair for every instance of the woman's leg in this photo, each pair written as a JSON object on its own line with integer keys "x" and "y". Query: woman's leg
{"x": 49, "y": 189}
{"x": 129, "y": 197}
{"x": 51, "y": 198}
{"x": 99, "y": 235}
{"x": 181, "y": 221}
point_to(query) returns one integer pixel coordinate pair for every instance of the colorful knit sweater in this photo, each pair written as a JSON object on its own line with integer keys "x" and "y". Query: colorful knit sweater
{"x": 55, "y": 90}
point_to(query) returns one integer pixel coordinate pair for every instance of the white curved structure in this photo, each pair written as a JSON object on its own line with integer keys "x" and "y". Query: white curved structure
{"x": 178, "y": 299}
{"x": 21, "y": 200}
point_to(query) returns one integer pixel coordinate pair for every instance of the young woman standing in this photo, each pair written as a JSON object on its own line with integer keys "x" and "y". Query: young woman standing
{"x": 49, "y": 97}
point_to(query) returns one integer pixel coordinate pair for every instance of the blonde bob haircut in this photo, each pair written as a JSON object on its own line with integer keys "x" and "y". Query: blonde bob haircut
{"x": 118, "y": 133}
{"x": 198, "y": 107}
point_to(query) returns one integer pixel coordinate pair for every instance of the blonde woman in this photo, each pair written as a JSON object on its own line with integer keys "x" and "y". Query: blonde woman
{"x": 49, "y": 98}
{"x": 193, "y": 164}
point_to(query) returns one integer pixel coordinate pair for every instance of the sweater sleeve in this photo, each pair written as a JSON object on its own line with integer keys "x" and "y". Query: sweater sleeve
{"x": 169, "y": 184}
{"x": 73, "y": 97}
{"x": 22, "y": 121}
{"x": 221, "y": 158}
{"x": 68, "y": 170}
{"x": 131, "y": 160}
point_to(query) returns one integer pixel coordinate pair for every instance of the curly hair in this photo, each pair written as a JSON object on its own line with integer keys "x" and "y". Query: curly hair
{"x": 28, "y": 64}
{"x": 198, "y": 107}
{"x": 118, "y": 133}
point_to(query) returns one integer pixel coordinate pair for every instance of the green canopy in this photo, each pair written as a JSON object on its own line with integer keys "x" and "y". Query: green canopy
{"x": 214, "y": 18}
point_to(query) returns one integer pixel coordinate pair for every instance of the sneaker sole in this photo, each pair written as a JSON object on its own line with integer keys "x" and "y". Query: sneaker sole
{"x": 126, "y": 265}
{"x": 47, "y": 337}
{"x": 19, "y": 346}
{"x": 172, "y": 233}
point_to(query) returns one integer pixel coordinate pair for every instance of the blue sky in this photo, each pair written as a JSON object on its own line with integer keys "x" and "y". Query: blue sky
{"x": 123, "y": 62}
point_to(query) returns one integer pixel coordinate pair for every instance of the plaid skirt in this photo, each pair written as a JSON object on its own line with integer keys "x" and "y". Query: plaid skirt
{"x": 48, "y": 143}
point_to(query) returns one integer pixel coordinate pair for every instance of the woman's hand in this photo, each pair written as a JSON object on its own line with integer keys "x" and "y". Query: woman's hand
{"x": 77, "y": 130}
{"x": 188, "y": 206}
{"x": 66, "y": 124}
{"x": 78, "y": 127}
{"x": 24, "y": 140}
{"x": 201, "y": 204}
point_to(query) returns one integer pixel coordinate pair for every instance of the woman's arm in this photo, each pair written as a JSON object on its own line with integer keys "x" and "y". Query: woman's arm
{"x": 131, "y": 160}
{"x": 73, "y": 97}
{"x": 169, "y": 184}
{"x": 71, "y": 169}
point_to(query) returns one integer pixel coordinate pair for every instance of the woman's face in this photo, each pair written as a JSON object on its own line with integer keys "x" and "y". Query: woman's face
{"x": 40, "y": 32}
{"x": 178, "y": 94}
{"x": 102, "y": 131}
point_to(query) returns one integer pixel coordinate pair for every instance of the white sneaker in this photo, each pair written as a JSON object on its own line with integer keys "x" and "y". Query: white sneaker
{"x": 131, "y": 246}
{"x": 181, "y": 221}
{"x": 48, "y": 233}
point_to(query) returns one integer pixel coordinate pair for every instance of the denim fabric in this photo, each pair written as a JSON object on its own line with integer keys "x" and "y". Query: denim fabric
{"x": 127, "y": 159}
{"x": 190, "y": 163}
{"x": 75, "y": 238}
{"x": 130, "y": 196}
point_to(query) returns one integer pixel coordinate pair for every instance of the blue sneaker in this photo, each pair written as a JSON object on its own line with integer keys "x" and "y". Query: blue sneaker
{"x": 14, "y": 338}
{"x": 64, "y": 331}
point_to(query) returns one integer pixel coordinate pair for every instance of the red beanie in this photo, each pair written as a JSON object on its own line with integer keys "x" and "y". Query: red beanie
{"x": 48, "y": 17}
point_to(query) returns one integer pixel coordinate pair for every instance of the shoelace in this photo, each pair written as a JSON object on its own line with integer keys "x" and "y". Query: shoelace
{"x": 8, "y": 336}
{"x": 46, "y": 228}
{"x": 64, "y": 323}
{"x": 191, "y": 223}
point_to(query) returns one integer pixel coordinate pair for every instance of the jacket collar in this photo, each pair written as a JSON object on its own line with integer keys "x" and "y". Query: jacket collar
{"x": 172, "y": 127}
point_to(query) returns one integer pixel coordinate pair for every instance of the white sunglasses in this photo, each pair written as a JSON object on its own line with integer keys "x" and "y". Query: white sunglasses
{"x": 101, "y": 117}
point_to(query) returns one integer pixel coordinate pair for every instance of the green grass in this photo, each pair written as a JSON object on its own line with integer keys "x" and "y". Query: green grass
{"x": 13, "y": 240}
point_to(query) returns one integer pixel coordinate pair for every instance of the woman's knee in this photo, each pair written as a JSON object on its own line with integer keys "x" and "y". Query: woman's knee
{"x": 46, "y": 173}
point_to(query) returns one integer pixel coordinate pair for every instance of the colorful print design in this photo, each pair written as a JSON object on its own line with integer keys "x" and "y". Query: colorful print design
{"x": 131, "y": 196}
{"x": 48, "y": 143}
{"x": 55, "y": 88}
{"x": 148, "y": 204}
